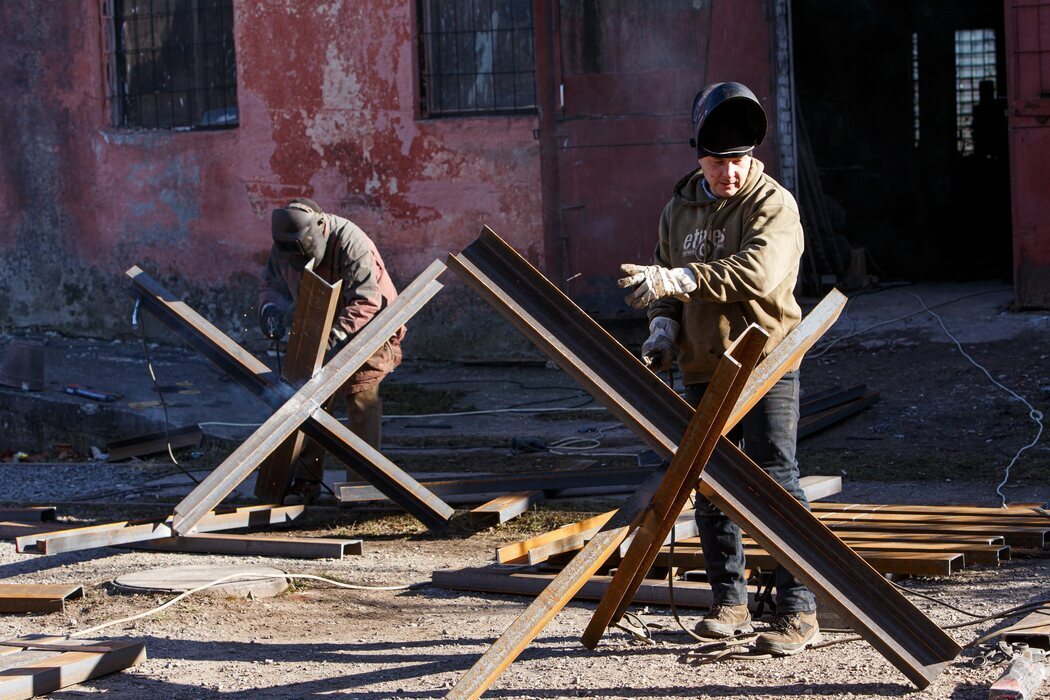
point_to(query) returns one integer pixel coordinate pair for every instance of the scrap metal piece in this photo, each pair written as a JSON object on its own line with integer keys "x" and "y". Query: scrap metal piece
{"x": 616, "y": 379}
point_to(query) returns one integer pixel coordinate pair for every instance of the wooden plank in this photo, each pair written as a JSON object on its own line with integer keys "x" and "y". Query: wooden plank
{"x": 125, "y": 532}
{"x": 254, "y": 545}
{"x": 311, "y": 324}
{"x": 30, "y": 514}
{"x": 27, "y": 673}
{"x": 37, "y": 597}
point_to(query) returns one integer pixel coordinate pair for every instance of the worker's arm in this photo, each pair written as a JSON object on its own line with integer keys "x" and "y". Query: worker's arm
{"x": 770, "y": 248}
{"x": 362, "y": 298}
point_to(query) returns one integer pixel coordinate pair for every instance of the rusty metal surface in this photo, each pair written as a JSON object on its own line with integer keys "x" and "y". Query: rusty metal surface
{"x": 293, "y": 410}
{"x": 902, "y": 633}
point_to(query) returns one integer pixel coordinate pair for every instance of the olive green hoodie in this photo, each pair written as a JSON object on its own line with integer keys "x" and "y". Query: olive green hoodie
{"x": 745, "y": 251}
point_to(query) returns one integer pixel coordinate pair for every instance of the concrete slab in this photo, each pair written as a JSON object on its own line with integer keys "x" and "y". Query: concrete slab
{"x": 240, "y": 581}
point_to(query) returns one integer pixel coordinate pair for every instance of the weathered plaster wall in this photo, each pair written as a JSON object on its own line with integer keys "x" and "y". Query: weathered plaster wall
{"x": 327, "y": 110}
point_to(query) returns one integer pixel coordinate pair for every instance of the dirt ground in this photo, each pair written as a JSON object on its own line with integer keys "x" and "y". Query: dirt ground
{"x": 941, "y": 433}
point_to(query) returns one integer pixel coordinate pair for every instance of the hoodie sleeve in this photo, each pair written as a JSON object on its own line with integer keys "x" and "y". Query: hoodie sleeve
{"x": 668, "y": 306}
{"x": 770, "y": 248}
{"x": 362, "y": 298}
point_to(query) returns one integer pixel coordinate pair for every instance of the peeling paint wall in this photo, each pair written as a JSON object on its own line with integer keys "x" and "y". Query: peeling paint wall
{"x": 327, "y": 97}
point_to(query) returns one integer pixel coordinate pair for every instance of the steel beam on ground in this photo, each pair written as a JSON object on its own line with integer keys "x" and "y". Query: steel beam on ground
{"x": 37, "y": 597}
{"x": 1027, "y": 538}
{"x": 634, "y": 394}
{"x": 1007, "y": 514}
{"x": 815, "y": 422}
{"x": 307, "y": 342}
{"x": 891, "y": 562}
{"x": 294, "y": 409}
{"x": 109, "y": 534}
{"x": 50, "y": 663}
{"x": 550, "y": 480}
{"x": 32, "y": 514}
{"x": 254, "y": 545}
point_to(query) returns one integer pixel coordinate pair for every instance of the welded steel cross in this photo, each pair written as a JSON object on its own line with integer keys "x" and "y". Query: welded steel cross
{"x": 298, "y": 408}
{"x": 780, "y": 524}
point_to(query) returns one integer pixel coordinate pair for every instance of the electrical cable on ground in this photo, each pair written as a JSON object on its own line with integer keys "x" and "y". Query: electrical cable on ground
{"x": 252, "y": 577}
{"x": 140, "y": 322}
{"x": 1035, "y": 415}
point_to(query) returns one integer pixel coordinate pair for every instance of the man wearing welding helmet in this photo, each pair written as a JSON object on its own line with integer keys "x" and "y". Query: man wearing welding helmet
{"x": 730, "y": 241}
{"x": 340, "y": 252}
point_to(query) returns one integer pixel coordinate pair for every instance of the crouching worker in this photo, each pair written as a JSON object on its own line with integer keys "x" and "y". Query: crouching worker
{"x": 730, "y": 242}
{"x": 341, "y": 252}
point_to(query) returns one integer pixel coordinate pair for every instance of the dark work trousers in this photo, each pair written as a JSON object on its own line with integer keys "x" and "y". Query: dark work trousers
{"x": 767, "y": 435}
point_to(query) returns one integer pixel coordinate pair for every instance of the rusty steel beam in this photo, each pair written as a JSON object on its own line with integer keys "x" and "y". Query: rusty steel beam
{"x": 307, "y": 342}
{"x": 616, "y": 379}
{"x": 656, "y": 523}
{"x": 700, "y": 438}
{"x": 293, "y": 410}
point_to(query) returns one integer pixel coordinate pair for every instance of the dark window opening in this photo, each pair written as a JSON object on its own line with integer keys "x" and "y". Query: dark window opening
{"x": 172, "y": 64}
{"x": 476, "y": 57}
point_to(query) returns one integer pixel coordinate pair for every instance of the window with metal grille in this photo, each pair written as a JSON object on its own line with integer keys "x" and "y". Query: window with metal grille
{"x": 172, "y": 64}
{"x": 974, "y": 63}
{"x": 476, "y": 57}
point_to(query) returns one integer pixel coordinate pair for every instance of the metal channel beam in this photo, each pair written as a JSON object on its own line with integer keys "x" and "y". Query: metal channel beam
{"x": 306, "y": 404}
{"x": 106, "y": 535}
{"x": 257, "y": 377}
{"x": 307, "y": 342}
{"x": 615, "y": 378}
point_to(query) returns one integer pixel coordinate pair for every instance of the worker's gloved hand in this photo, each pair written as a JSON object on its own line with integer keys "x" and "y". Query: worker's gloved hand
{"x": 658, "y": 349}
{"x": 272, "y": 323}
{"x": 652, "y": 282}
{"x": 337, "y": 338}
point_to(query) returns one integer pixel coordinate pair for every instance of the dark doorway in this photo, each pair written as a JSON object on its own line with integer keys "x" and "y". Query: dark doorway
{"x": 904, "y": 107}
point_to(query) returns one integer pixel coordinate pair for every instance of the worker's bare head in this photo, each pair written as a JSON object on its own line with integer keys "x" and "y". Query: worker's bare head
{"x": 299, "y": 231}
{"x": 728, "y": 123}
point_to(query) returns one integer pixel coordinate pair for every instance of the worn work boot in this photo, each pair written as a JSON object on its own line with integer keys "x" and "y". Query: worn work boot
{"x": 791, "y": 633}
{"x": 724, "y": 621}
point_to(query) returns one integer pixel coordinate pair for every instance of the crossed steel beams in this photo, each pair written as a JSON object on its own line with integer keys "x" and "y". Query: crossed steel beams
{"x": 296, "y": 410}
{"x": 770, "y": 515}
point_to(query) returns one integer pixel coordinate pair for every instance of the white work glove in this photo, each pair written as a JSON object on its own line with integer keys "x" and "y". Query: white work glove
{"x": 658, "y": 349}
{"x": 652, "y": 282}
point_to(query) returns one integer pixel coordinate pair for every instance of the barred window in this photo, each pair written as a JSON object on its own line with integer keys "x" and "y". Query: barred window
{"x": 172, "y": 64}
{"x": 476, "y": 57}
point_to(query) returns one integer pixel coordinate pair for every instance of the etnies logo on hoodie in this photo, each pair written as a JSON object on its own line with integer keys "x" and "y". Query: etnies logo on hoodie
{"x": 704, "y": 244}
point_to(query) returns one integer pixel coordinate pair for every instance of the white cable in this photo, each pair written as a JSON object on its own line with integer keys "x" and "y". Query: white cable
{"x": 253, "y": 577}
{"x": 1034, "y": 414}
{"x": 853, "y": 332}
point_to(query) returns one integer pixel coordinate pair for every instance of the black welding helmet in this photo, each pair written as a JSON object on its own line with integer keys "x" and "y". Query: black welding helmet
{"x": 728, "y": 121}
{"x": 298, "y": 230}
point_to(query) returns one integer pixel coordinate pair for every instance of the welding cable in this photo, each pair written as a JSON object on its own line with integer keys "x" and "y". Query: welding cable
{"x": 824, "y": 349}
{"x": 160, "y": 394}
{"x": 1035, "y": 415}
{"x": 253, "y": 578}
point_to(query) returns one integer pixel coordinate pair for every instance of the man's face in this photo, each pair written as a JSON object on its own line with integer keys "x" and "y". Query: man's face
{"x": 725, "y": 176}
